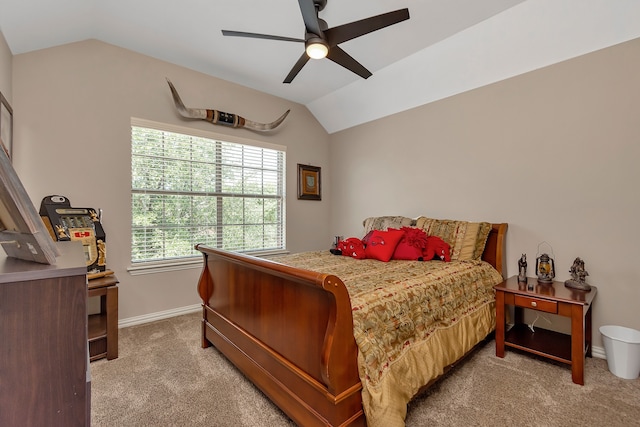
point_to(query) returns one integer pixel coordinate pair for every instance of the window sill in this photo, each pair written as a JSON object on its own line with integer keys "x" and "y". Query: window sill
{"x": 166, "y": 266}
{"x": 186, "y": 264}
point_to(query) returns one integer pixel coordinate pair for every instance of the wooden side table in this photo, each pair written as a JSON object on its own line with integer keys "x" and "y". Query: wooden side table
{"x": 549, "y": 298}
{"x": 103, "y": 326}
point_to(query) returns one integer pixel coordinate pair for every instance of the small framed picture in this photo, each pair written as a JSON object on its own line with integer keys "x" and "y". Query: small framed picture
{"x": 6, "y": 126}
{"x": 309, "y": 184}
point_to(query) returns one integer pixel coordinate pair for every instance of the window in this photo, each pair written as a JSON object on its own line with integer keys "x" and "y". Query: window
{"x": 188, "y": 189}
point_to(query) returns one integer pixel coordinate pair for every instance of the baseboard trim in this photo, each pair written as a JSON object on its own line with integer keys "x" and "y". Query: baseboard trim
{"x": 152, "y": 317}
{"x": 598, "y": 352}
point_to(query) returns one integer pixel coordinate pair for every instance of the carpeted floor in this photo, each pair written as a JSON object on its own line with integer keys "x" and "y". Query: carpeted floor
{"x": 163, "y": 377}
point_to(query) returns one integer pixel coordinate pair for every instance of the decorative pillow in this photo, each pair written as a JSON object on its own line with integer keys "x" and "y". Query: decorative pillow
{"x": 386, "y": 222}
{"x": 382, "y": 244}
{"x": 466, "y": 239}
{"x": 366, "y": 238}
{"x": 436, "y": 248}
{"x": 411, "y": 245}
{"x": 352, "y": 247}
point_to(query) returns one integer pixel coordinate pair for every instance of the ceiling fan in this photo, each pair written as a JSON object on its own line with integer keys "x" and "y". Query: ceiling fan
{"x": 321, "y": 41}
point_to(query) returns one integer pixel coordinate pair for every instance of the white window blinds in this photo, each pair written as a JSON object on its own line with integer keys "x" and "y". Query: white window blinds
{"x": 189, "y": 189}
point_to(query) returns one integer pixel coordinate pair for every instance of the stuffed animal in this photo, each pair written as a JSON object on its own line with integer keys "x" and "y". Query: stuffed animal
{"x": 352, "y": 247}
{"x": 436, "y": 248}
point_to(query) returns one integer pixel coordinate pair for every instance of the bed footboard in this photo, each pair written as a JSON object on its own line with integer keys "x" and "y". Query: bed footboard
{"x": 290, "y": 331}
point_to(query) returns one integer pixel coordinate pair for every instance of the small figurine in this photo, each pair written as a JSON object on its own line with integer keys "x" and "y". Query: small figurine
{"x": 102, "y": 253}
{"x": 578, "y": 276}
{"x": 61, "y": 232}
{"x": 522, "y": 269}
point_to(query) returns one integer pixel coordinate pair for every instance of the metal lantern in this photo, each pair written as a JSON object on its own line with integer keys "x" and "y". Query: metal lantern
{"x": 545, "y": 268}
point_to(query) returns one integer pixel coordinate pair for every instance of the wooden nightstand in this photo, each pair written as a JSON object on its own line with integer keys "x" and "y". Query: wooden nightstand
{"x": 103, "y": 326}
{"x": 549, "y": 298}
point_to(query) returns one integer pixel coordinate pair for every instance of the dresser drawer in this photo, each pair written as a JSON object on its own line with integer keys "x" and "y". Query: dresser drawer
{"x": 536, "y": 304}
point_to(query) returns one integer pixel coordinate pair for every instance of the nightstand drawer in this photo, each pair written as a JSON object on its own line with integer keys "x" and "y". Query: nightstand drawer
{"x": 536, "y": 304}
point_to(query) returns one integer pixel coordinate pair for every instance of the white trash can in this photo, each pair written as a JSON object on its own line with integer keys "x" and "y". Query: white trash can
{"x": 622, "y": 348}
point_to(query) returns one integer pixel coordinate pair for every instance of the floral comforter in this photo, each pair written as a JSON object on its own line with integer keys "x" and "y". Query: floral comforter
{"x": 410, "y": 320}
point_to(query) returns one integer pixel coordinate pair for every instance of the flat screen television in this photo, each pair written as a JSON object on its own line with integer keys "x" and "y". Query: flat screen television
{"x": 23, "y": 235}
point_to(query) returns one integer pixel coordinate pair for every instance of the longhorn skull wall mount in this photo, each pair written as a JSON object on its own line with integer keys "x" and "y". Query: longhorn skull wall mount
{"x": 220, "y": 117}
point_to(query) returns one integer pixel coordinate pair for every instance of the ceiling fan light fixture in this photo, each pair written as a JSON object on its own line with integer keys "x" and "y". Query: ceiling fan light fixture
{"x": 320, "y": 41}
{"x": 316, "y": 48}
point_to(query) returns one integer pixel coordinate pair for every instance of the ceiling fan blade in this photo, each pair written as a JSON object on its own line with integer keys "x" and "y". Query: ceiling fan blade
{"x": 310, "y": 17}
{"x": 342, "y": 33}
{"x": 259, "y": 36}
{"x": 340, "y": 57}
{"x": 296, "y": 68}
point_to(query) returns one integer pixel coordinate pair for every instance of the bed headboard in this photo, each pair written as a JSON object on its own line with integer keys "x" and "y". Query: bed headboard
{"x": 494, "y": 251}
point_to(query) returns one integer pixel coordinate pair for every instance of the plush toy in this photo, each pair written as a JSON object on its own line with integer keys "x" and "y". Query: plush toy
{"x": 352, "y": 247}
{"x": 436, "y": 248}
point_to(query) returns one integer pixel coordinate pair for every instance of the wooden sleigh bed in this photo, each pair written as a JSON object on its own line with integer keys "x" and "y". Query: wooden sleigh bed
{"x": 291, "y": 332}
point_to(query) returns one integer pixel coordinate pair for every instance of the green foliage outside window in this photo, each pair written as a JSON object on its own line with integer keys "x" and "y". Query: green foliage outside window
{"x": 187, "y": 190}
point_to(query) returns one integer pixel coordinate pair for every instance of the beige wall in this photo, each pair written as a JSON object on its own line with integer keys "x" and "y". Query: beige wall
{"x": 554, "y": 153}
{"x": 72, "y": 110}
{"x": 6, "y": 61}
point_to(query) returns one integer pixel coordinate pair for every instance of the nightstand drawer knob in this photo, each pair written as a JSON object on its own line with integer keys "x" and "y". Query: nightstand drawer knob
{"x": 534, "y": 304}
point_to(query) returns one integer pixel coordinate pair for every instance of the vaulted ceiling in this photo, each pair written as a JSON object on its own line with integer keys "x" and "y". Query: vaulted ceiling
{"x": 446, "y": 47}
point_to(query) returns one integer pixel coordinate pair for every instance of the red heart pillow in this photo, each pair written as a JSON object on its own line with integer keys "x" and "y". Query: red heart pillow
{"x": 382, "y": 244}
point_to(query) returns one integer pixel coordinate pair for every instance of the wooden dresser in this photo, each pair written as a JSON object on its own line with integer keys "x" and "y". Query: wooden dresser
{"x": 44, "y": 363}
